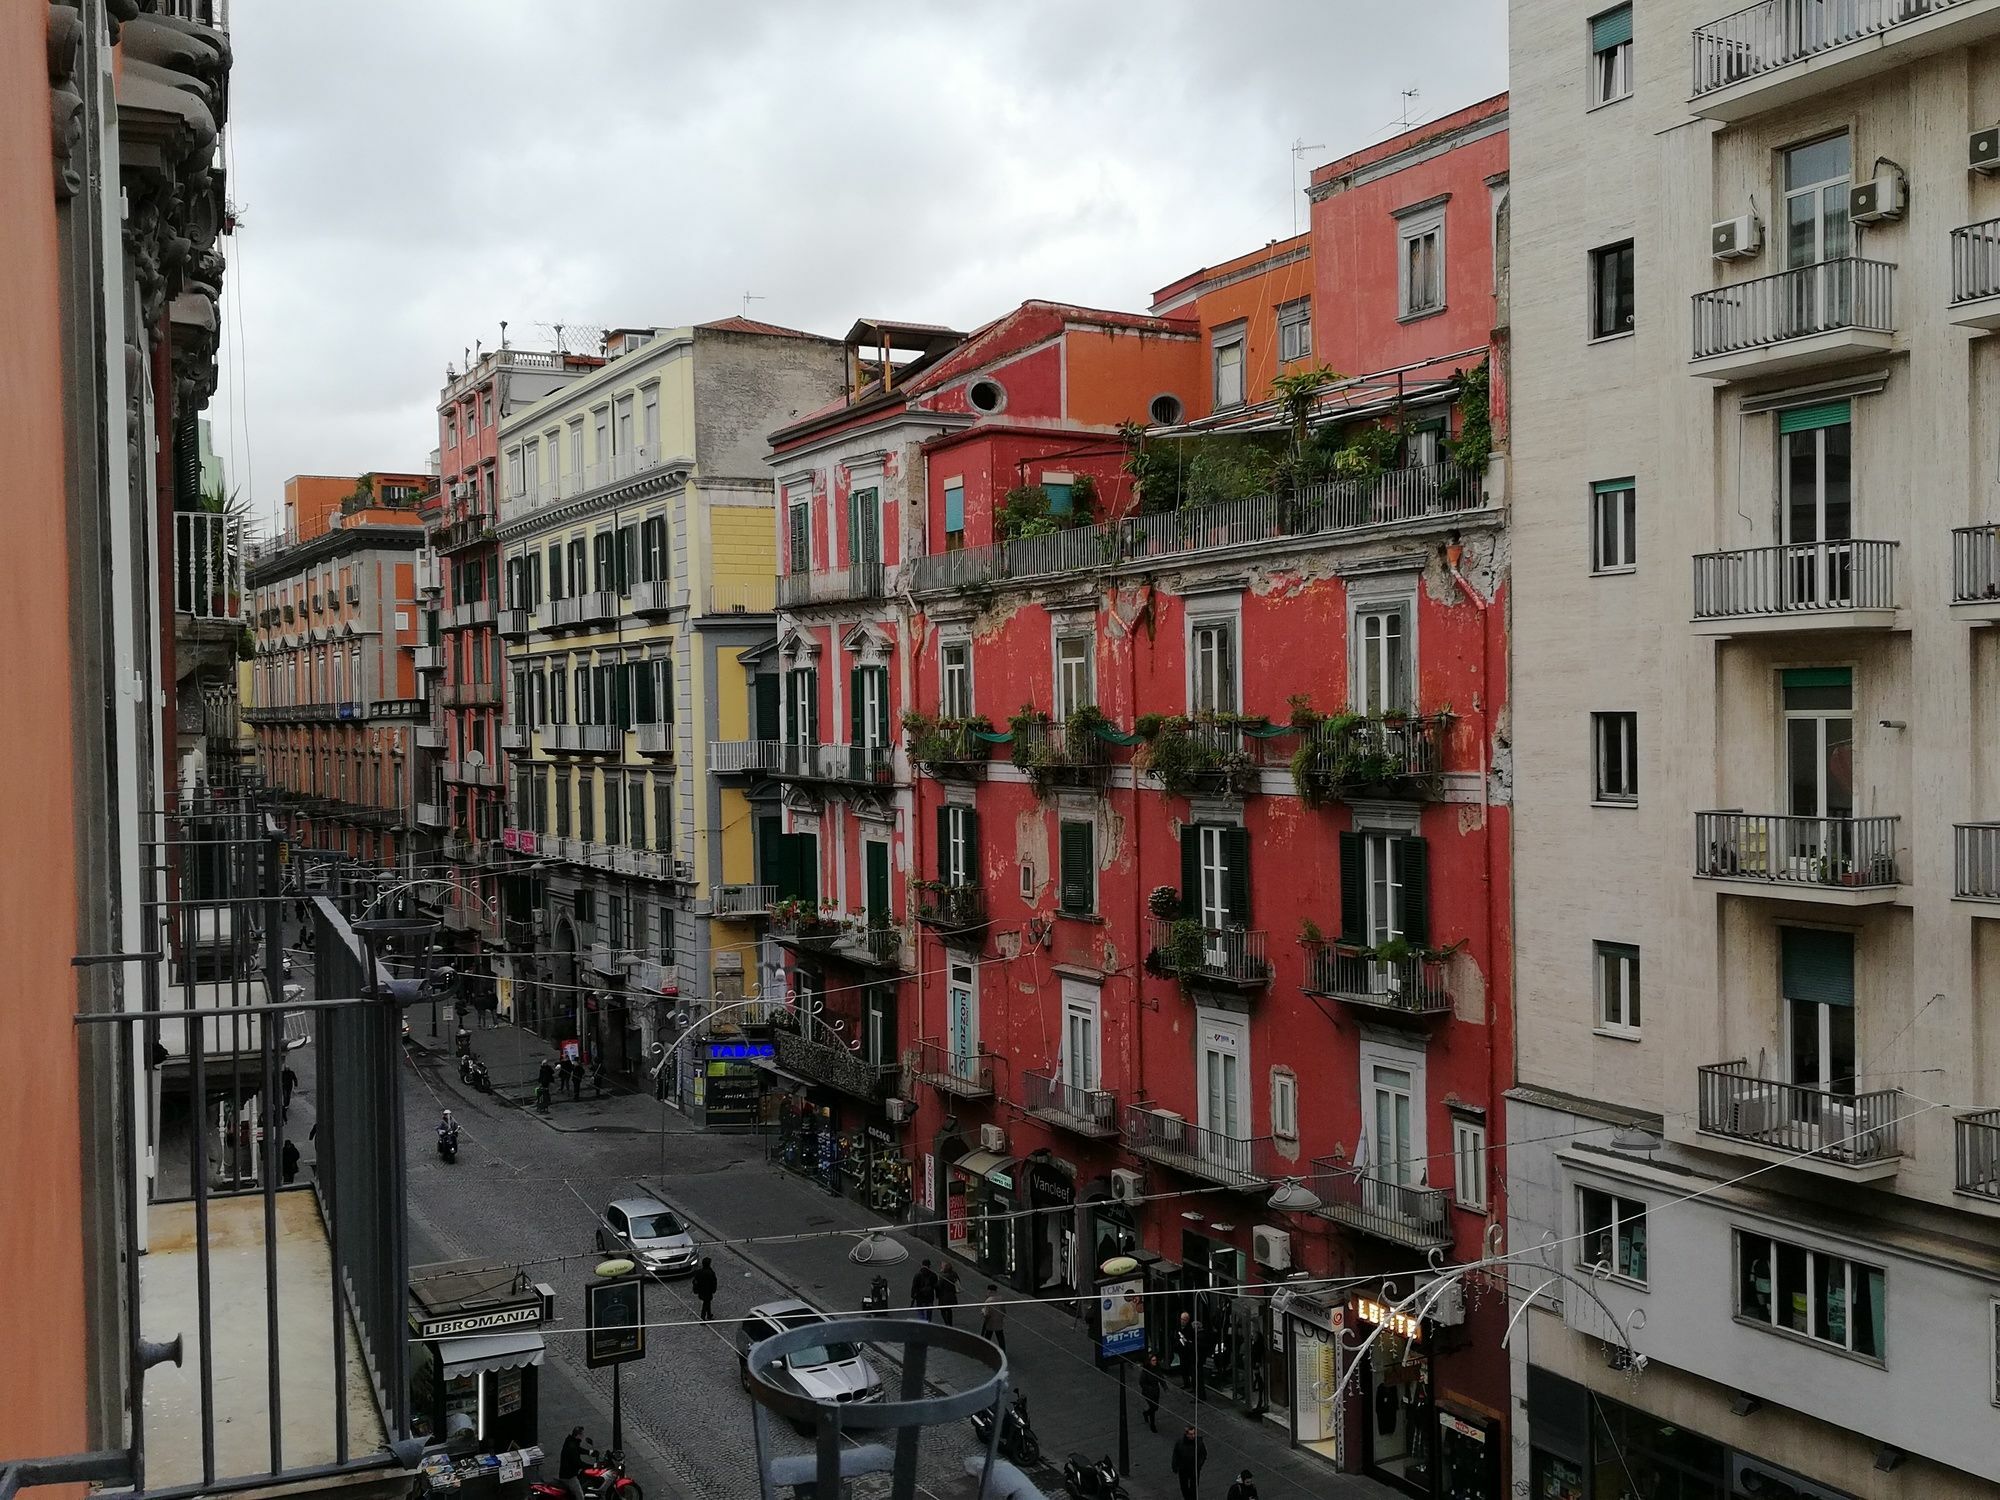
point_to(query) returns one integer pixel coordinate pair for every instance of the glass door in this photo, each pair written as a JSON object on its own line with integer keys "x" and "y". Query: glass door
{"x": 1393, "y": 1162}
{"x": 1214, "y": 895}
{"x": 1819, "y": 516}
{"x": 1224, "y": 1115}
{"x": 1384, "y": 871}
{"x": 1819, "y": 773}
{"x": 1818, "y": 233}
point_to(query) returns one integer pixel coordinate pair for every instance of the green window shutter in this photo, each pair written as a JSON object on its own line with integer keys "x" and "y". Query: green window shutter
{"x": 1079, "y": 858}
{"x": 764, "y": 690}
{"x": 772, "y": 852}
{"x": 1613, "y": 486}
{"x": 1059, "y": 498}
{"x": 1816, "y": 677}
{"x": 643, "y": 708}
{"x": 808, "y": 846}
{"x": 628, "y": 550}
{"x": 1811, "y": 418}
{"x": 1236, "y": 854}
{"x": 1353, "y": 891}
{"x": 556, "y": 589}
{"x": 1817, "y": 965}
{"x": 854, "y": 704}
{"x": 944, "y": 845}
{"x": 1416, "y": 891}
{"x": 970, "y": 874}
{"x": 1191, "y": 870}
{"x": 1611, "y": 29}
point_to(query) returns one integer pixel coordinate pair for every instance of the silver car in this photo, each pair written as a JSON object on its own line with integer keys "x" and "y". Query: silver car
{"x": 821, "y": 1372}
{"x": 650, "y": 1233}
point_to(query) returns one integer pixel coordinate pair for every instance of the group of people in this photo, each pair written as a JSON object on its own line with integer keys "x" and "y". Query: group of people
{"x": 567, "y": 1075}
{"x": 932, "y": 1290}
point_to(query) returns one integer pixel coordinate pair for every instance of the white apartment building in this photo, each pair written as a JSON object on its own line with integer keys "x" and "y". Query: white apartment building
{"x": 1756, "y": 442}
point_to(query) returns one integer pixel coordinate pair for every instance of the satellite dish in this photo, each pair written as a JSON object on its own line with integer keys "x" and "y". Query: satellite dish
{"x": 474, "y": 759}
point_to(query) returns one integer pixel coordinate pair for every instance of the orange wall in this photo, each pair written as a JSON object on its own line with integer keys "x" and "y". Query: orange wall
{"x": 1254, "y": 300}
{"x": 311, "y": 498}
{"x": 1112, "y": 375}
{"x": 42, "y": 1383}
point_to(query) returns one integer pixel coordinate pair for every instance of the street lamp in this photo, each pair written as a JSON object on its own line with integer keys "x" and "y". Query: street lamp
{"x": 876, "y": 1249}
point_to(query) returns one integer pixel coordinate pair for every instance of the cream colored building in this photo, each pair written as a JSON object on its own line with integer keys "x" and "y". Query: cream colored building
{"x": 637, "y": 559}
{"x": 1756, "y": 444}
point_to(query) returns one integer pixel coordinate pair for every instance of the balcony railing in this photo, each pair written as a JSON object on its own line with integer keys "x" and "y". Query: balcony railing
{"x": 1765, "y": 37}
{"x": 655, "y": 739}
{"x": 1828, "y": 297}
{"x": 464, "y": 616}
{"x": 1852, "y": 1129}
{"x": 1976, "y": 861}
{"x": 1796, "y": 851}
{"x": 513, "y": 737}
{"x": 512, "y": 624}
{"x": 858, "y": 764}
{"x": 1401, "y": 1213}
{"x": 1976, "y": 1154}
{"x": 1975, "y": 262}
{"x": 744, "y": 900}
{"x": 1219, "y": 955}
{"x": 1061, "y": 754}
{"x": 464, "y": 771}
{"x": 653, "y": 596}
{"x": 1412, "y": 985}
{"x": 429, "y": 736}
{"x": 1161, "y": 1136}
{"x": 428, "y": 658}
{"x": 1399, "y": 758}
{"x": 963, "y": 1074}
{"x": 430, "y": 815}
{"x": 953, "y": 911}
{"x": 950, "y": 750}
{"x": 829, "y": 1062}
{"x": 1053, "y": 1099}
{"x": 859, "y": 581}
{"x": 1433, "y": 492}
{"x": 208, "y": 566}
{"x": 1798, "y": 579}
{"x": 600, "y": 608}
{"x": 600, "y": 739}
{"x": 736, "y": 757}
{"x": 563, "y": 739}
{"x": 1975, "y": 565}
{"x": 878, "y": 944}
{"x": 742, "y": 596}
{"x": 469, "y": 694}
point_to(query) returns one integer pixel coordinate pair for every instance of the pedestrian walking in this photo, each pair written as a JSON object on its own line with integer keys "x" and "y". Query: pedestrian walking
{"x": 288, "y": 1080}
{"x": 569, "y": 1466}
{"x": 1243, "y": 1489}
{"x": 923, "y": 1290}
{"x": 598, "y": 1077}
{"x": 1190, "y": 1453}
{"x": 1185, "y": 1354}
{"x": 1149, "y": 1392}
{"x": 993, "y": 1316}
{"x": 947, "y": 1294}
{"x": 575, "y": 1081}
{"x": 545, "y": 1082}
{"x": 703, "y": 1286}
{"x": 290, "y": 1158}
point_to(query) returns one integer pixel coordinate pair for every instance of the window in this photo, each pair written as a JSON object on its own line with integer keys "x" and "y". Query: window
{"x": 486, "y": 404}
{"x": 576, "y": 446}
{"x": 1284, "y": 1104}
{"x": 804, "y": 706}
{"x": 878, "y": 1026}
{"x": 653, "y": 549}
{"x": 1614, "y": 526}
{"x": 600, "y": 425}
{"x": 954, "y": 514}
{"x": 1612, "y": 1233}
{"x": 1816, "y": 975}
{"x": 1224, "y": 1059}
{"x": 1215, "y": 875}
{"x": 1817, "y": 179}
{"x": 586, "y": 807}
{"x": 635, "y": 811}
{"x": 604, "y": 556}
{"x": 1382, "y": 658}
{"x": 958, "y": 846}
{"x": 1611, "y": 55}
{"x": 1075, "y": 685}
{"x": 663, "y": 814}
{"x": 1468, "y": 1164}
{"x": 1827, "y": 1298}
{"x": 623, "y": 439}
{"x": 955, "y": 679}
{"x": 1611, "y": 290}
{"x": 1420, "y": 262}
{"x": 1615, "y": 756}
{"x": 514, "y": 472}
{"x": 1295, "y": 330}
{"x": 562, "y": 804}
{"x": 1227, "y": 349}
{"x": 1077, "y": 893}
{"x": 1080, "y": 1062}
{"x": 800, "y": 515}
{"x": 1384, "y": 898}
{"x": 868, "y": 707}
{"x": 1617, "y": 967}
{"x": 1212, "y": 657}
{"x": 614, "y": 808}
{"x": 649, "y": 424}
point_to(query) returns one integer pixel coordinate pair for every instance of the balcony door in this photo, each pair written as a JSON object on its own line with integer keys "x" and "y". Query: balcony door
{"x": 864, "y": 528}
{"x": 1392, "y": 1116}
{"x": 1079, "y": 1046}
{"x": 1815, "y": 179}
{"x": 875, "y": 871}
{"x": 1225, "y": 1112}
{"x": 1819, "y": 771}
{"x": 1817, "y": 447}
{"x": 1817, "y": 975}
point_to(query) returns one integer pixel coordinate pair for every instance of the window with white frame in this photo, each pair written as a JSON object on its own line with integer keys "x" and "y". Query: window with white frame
{"x": 1617, "y": 966}
{"x": 955, "y": 679}
{"x": 576, "y": 446}
{"x": 1212, "y": 663}
{"x": 1614, "y": 526}
{"x": 624, "y": 439}
{"x": 1468, "y": 1164}
{"x": 1420, "y": 261}
{"x": 1284, "y": 1104}
{"x": 532, "y": 453}
{"x": 649, "y": 424}
{"x": 1615, "y": 757}
{"x": 798, "y": 517}
{"x": 514, "y": 472}
{"x": 956, "y": 867}
{"x": 1075, "y": 681}
{"x": 1829, "y": 1299}
{"x": 1226, "y": 345}
{"x": 1295, "y": 329}
{"x": 1382, "y": 673}
{"x": 1080, "y": 1059}
{"x": 1611, "y": 55}
{"x": 1611, "y": 1232}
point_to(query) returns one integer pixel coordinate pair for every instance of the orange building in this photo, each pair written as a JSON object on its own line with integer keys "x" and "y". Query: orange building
{"x": 1257, "y": 315}
{"x": 313, "y": 500}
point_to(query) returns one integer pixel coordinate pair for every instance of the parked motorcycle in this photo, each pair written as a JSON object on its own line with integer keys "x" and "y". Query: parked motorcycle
{"x": 603, "y": 1478}
{"x": 471, "y": 1070}
{"x": 1018, "y": 1443}
{"x": 1092, "y": 1481}
{"x": 876, "y": 1303}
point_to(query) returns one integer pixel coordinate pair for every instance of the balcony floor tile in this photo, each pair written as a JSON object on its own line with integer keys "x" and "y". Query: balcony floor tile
{"x": 1815, "y": 351}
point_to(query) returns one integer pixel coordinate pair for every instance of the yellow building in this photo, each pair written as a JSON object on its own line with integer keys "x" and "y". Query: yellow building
{"x": 638, "y": 548}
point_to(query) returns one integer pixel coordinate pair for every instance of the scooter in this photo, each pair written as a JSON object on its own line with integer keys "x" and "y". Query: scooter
{"x": 1092, "y": 1481}
{"x": 471, "y": 1070}
{"x": 1018, "y": 1443}
{"x": 876, "y": 1303}
{"x": 603, "y": 1478}
{"x": 448, "y": 1144}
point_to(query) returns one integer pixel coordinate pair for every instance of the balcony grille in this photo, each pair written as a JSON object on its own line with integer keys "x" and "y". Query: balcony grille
{"x": 734, "y": 757}
{"x": 1844, "y": 293}
{"x": 1976, "y": 1154}
{"x": 744, "y": 900}
{"x": 1763, "y": 38}
{"x": 1053, "y": 1099}
{"x": 966, "y": 1075}
{"x": 831, "y": 585}
{"x": 1166, "y": 1138}
{"x": 1401, "y": 1213}
{"x": 1411, "y": 986}
{"x": 831, "y": 1063}
{"x": 1853, "y": 1129}
{"x": 1976, "y": 861}
{"x": 1794, "y": 851}
{"x": 1975, "y": 565}
{"x": 1229, "y": 955}
{"x": 1801, "y": 578}
{"x": 208, "y": 566}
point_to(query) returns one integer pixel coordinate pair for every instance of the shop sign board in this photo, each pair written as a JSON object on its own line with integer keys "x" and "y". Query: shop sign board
{"x": 614, "y": 1321}
{"x": 1121, "y": 1316}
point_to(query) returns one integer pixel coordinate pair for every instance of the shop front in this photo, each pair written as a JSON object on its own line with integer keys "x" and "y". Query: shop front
{"x": 475, "y": 1353}
{"x": 1055, "y": 1261}
{"x": 1229, "y": 1319}
{"x": 728, "y": 1084}
{"x": 981, "y": 1223}
{"x": 875, "y": 1171}
{"x": 1410, "y": 1437}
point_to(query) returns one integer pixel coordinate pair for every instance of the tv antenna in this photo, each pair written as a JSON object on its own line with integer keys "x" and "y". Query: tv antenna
{"x": 1410, "y": 96}
{"x": 750, "y": 297}
{"x": 1299, "y": 149}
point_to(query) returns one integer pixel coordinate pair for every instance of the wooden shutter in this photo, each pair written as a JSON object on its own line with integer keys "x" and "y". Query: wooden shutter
{"x": 944, "y": 844}
{"x": 808, "y": 846}
{"x": 1191, "y": 870}
{"x": 773, "y": 856}
{"x": 854, "y": 704}
{"x": 628, "y": 547}
{"x": 1353, "y": 891}
{"x": 1416, "y": 891}
{"x": 1236, "y": 853}
{"x": 764, "y": 689}
{"x": 970, "y": 874}
{"x": 556, "y": 589}
{"x": 1079, "y": 856}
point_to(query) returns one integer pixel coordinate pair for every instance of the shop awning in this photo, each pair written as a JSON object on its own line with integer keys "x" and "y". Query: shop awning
{"x": 770, "y": 1067}
{"x": 489, "y": 1351}
{"x": 982, "y": 1163}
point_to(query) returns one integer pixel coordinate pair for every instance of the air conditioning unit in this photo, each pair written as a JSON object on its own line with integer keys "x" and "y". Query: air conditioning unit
{"x": 1170, "y": 1129}
{"x": 1271, "y": 1248}
{"x": 1737, "y": 239}
{"x": 899, "y": 1111}
{"x": 1127, "y": 1186}
{"x": 1752, "y": 1114}
{"x": 992, "y": 1138}
{"x": 1982, "y": 151}
{"x": 1879, "y": 201}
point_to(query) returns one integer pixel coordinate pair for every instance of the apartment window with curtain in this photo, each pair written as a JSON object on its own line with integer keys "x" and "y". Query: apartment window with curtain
{"x": 1212, "y": 666}
{"x": 1615, "y": 757}
{"x": 1611, "y": 55}
{"x": 1613, "y": 1233}
{"x": 1614, "y": 526}
{"x": 1382, "y": 668}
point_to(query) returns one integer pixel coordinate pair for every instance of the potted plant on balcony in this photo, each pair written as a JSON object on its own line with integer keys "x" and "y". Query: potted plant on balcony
{"x": 946, "y": 747}
{"x": 1164, "y": 902}
{"x": 1181, "y": 947}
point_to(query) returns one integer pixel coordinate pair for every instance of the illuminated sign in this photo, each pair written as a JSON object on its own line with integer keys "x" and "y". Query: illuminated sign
{"x": 1368, "y": 1310}
{"x": 741, "y": 1049}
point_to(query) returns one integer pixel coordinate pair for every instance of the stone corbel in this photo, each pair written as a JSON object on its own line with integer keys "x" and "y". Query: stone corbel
{"x": 65, "y": 58}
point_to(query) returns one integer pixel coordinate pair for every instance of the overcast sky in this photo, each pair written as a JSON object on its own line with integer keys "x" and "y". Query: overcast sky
{"x": 410, "y": 172}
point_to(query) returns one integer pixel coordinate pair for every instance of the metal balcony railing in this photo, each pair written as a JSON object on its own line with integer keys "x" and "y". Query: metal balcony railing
{"x": 600, "y": 739}
{"x": 1975, "y": 262}
{"x": 830, "y": 1062}
{"x": 1161, "y": 1136}
{"x": 742, "y": 596}
{"x": 1976, "y": 1154}
{"x": 1053, "y": 1099}
{"x": 1061, "y": 754}
{"x": 653, "y": 596}
{"x": 744, "y": 900}
{"x": 655, "y": 739}
{"x": 1844, "y": 293}
{"x": 1402, "y": 495}
{"x": 1976, "y": 861}
{"x": 1379, "y": 756}
{"x": 512, "y": 624}
{"x": 735, "y": 757}
{"x": 428, "y": 658}
{"x": 208, "y": 566}
{"x": 953, "y": 911}
{"x": 429, "y": 736}
{"x": 858, "y": 581}
{"x": 465, "y": 616}
{"x": 430, "y": 815}
{"x": 563, "y": 739}
{"x": 858, "y": 764}
{"x": 949, "y": 1070}
{"x": 878, "y": 943}
{"x": 1226, "y": 955}
{"x": 1975, "y": 565}
{"x": 1801, "y": 578}
{"x": 469, "y": 694}
{"x": 471, "y": 775}
{"x": 1765, "y": 37}
{"x": 513, "y": 737}
{"x": 600, "y": 608}
{"x": 1412, "y": 985}
{"x": 1399, "y": 1212}
{"x": 1796, "y": 851}
{"x": 1857, "y": 1129}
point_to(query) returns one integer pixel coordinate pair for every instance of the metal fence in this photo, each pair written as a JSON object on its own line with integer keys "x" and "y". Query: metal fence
{"x": 1412, "y": 986}
{"x": 1976, "y": 1153}
{"x": 862, "y": 580}
{"x": 744, "y": 900}
{"x": 1798, "y": 578}
{"x": 730, "y": 757}
{"x": 1975, "y": 565}
{"x": 1765, "y": 37}
{"x": 1095, "y": 1111}
{"x": 1845, "y": 292}
{"x": 1976, "y": 861}
{"x": 208, "y": 566}
{"x": 1167, "y": 1138}
{"x": 1787, "y": 850}
{"x": 967, "y": 1073}
{"x": 1975, "y": 261}
{"x": 1857, "y": 1128}
{"x": 1233, "y": 954}
{"x": 1401, "y": 1212}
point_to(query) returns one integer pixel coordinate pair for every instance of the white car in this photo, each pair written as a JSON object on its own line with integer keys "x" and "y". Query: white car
{"x": 820, "y": 1372}
{"x": 650, "y": 1234}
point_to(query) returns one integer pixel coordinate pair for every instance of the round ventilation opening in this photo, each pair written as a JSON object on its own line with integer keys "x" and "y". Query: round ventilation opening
{"x": 986, "y": 395}
{"x": 1165, "y": 410}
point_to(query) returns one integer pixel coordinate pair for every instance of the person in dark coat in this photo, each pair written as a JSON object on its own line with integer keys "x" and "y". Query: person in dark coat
{"x": 1243, "y": 1489}
{"x": 547, "y": 1075}
{"x": 703, "y": 1286}
{"x": 1190, "y": 1453}
{"x": 287, "y": 1080}
{"x": 569, "y": 1466}
{"x": 1184, "y": 1352}
{"x": 923, "y": 1290}
{"x": 1149, "y": 1392}
{"x": 947, "y": 1293}
{"x": 291, "y": 1161}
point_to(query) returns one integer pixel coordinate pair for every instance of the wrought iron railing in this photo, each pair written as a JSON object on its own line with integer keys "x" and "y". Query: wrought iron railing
{"x": 1060, "y": 754}
{"x": 1410, "y": 985}
{"x": 1846, "y": 292}
{"x": 967, "y": 1073}
{"x": 952, "y": 910}
{"x": 1378, "y": 756}
{"x": 734, "y": 757}
{"x": 858, "y": 581}
{"x": 1762, "y": 38}
{"x": 1167, "y": 1138}
{"x": 1797, "y": 851}
{"x": 1855, "y": 1128}
{"x": 1231, "y": 955}
{"x": 1801, "y": 578}
{"x": 1976, "y": 861}
{"x": 1365, "y": 1199}
{"x": 655, "y": 739}
{"x": 1055, "y": 1099}
{"x": 1975, "y": 565}
{"x": 861, "y": 764}
{"x": 744, "y": 900}
{"x": 1976, "y": 1153}
{"x": 832, "y": 1063}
